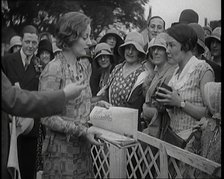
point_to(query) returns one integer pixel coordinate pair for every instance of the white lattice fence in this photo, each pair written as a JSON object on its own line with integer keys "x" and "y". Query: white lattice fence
{"x": 100, "y": 157}
{"x": 149, "y": 158}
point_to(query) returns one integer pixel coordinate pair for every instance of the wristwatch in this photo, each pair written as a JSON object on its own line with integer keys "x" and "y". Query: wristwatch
{"x": 182, "y": 104}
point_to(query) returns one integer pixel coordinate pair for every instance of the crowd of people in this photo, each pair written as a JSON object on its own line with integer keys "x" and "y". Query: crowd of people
{"x": 171, "y": 75}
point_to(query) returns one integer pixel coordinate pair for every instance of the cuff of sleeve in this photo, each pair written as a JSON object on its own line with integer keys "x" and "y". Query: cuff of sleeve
{"x": 83, "y": 131}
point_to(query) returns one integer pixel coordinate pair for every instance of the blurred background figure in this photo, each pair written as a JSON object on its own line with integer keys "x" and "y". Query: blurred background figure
{"x": 213, "y": 42}
{"x": 45, "y": 52}
{"x": 207, "y": 133}
{"x": 207, "y": 30}
{"x": 105, "y": 62}
{"x": 200, "y": 48}
{"x": 55, "y": 48}
{"x": 113, "y": 38}
{"x": 155, "y": 26}
{"x": 92, "y": 48}
{"x": 15, "y": 44}
{"x": 45, "y": 35}
{"x": 187, "y": 16}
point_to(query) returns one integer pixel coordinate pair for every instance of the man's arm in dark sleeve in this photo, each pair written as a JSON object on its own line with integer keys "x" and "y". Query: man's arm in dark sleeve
{"x": 33, "y": 104}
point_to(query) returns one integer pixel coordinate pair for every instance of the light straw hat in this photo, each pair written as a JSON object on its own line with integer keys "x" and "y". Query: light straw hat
{"x": 134, "y": 38}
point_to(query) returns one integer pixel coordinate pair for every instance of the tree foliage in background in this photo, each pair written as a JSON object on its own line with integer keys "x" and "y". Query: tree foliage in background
{"x": 45, "y": 13}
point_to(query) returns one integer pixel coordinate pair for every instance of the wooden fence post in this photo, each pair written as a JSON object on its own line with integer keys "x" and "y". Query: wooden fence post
{"x": 117, "y": 162}
{"x": 163, "y": 162}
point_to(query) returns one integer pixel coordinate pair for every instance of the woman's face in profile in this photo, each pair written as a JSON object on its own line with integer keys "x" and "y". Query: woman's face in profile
{"x": 82, "y": 43}
{"x": 173, "y": 50}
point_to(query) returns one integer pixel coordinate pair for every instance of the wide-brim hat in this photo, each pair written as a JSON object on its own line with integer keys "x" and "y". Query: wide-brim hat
{"x": 134, "y": 38}
{"x": 102, "y": 49}
{"x": 114, "y": 33}
{"x": 15, "y": 40}
{"x": 216, "y": 34}
{"x": 200, "y": 34}
{"x": 208, "y": 28}
{"x": 158, "y": 41}
{"x": 45, "y": 45}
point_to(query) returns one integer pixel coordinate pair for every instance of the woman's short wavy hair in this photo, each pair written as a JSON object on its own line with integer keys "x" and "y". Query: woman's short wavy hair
{"x": 70, "y": 27}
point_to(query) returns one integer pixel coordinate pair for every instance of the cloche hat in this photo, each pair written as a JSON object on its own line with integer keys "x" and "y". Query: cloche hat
{"x": 134, "y": 38}
{"x": 102, "y": 49}
{"x": 216, "y": 34}
{"x": 15, "y": 40}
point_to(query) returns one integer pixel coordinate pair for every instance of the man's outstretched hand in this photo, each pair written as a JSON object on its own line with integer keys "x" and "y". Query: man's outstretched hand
{"x": 73, "y": 90}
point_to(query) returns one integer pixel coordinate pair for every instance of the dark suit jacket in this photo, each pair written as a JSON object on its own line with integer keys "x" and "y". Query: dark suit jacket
{"x": 26, "y": 104}
{"x": 13, "y": 68}
{"x": 28, "y": 79}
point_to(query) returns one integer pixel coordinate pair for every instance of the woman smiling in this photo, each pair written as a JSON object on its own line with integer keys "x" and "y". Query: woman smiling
{"x": 125, "y": 82}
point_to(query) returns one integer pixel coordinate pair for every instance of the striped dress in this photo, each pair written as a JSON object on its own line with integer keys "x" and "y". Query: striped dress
{"x": 188, "y": 86}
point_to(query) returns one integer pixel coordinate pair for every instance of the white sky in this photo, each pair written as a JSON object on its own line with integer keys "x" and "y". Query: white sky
{"x": 170, "y": 10}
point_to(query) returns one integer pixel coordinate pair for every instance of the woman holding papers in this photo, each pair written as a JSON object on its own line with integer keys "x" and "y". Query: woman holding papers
{"x": 66, "y": 148}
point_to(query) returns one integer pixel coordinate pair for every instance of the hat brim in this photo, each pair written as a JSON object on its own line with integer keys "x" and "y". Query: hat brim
{"x": 119, "y": 39}
{"x": 102, "y": 53}
{"x": 57, "y": 50}
{"x": 137, "y": 46}
{"x": 201, "y": 44}
{"x": 17, "y": 44}
{"x": 209, "y": 39}
{"x": 157, "y": 45}
{"x": 42, "y": 49}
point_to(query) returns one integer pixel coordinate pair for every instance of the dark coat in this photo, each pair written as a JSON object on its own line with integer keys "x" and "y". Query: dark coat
{"x": 217, "y": 70}
{"x": 28, "y": 79}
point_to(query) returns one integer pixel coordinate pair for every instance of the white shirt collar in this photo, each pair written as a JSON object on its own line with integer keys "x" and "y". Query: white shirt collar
{"x": 23, "y": 56}
{"x": 178, "y": 80}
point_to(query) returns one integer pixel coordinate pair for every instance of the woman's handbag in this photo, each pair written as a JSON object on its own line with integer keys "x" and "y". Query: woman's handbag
{"x": 168, "y": 135}
{"x": 171, "y": 137}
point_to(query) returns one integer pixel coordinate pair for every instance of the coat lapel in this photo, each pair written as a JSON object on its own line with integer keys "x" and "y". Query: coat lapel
{"x": 18, "y": 65}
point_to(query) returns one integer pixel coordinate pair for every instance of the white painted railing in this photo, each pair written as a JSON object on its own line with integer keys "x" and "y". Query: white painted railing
{"x": 148, "y": 158}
